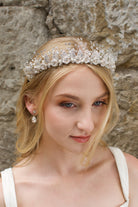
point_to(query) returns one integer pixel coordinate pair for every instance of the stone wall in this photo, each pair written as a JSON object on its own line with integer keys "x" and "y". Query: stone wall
{"x": 26, "y": 24}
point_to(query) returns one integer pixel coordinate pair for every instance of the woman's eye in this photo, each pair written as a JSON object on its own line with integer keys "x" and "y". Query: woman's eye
{"x": 99, "y": 103}
{"x": 67, "y": 105}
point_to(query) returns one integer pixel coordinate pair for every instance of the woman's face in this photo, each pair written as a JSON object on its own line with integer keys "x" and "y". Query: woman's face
{"x": 74, "y": 109}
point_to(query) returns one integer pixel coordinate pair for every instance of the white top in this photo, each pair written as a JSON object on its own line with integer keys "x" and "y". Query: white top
{"x": 9, "y": 186}
{"x": 123, "y": 172}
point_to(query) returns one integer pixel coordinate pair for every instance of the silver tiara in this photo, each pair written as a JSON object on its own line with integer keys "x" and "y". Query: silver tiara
{"x": 76, "y": 55}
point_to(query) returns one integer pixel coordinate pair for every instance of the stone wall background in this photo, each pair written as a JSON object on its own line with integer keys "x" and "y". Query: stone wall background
{"x": 26, "y": 24}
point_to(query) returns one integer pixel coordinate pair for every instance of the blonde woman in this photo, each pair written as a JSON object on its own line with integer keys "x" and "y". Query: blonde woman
{"x": 66, "y": 105}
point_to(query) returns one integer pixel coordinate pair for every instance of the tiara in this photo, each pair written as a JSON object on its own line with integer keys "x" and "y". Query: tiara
{"x": 79, "y": 54}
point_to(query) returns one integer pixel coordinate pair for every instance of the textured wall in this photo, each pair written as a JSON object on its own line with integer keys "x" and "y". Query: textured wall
{"x": 26, "y": 24}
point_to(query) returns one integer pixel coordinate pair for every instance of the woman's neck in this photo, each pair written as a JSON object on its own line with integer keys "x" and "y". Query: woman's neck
{"x": 58, "y": 161}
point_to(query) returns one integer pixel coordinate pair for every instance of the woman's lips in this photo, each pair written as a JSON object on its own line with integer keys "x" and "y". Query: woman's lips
{"x": 81, "y": 139}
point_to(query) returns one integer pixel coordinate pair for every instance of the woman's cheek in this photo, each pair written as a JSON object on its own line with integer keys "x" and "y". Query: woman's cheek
{"x": 99, "y": 115}
{"x": 55, "y": 117}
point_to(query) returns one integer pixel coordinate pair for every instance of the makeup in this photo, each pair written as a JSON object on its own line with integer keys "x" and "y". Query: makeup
{"x": 81, "y": 139}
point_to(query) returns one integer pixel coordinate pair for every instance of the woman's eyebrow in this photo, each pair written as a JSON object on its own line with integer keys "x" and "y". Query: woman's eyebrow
{"x": 68, "y": 96}
{"x": 77, "y": 98}
{"x": 103, "y": 95}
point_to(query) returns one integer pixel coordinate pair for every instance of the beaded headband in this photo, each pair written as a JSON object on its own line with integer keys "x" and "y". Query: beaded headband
{"x": 78, "y": 54}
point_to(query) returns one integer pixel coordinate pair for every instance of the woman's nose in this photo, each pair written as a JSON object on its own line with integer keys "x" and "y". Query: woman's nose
{"x": 86, "y": 122}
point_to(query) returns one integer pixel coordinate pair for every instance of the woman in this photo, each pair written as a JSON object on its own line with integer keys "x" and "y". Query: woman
{"x": 66, "y": 105}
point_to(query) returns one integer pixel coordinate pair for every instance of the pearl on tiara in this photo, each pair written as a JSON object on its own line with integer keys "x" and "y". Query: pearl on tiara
{"x": 79, "y": 54}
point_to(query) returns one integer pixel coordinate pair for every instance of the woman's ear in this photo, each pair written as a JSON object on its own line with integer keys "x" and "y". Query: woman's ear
{"x": 30, "y": 104}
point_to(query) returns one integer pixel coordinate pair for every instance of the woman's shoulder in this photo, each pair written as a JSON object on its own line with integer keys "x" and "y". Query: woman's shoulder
{"x": 132, "y": 163}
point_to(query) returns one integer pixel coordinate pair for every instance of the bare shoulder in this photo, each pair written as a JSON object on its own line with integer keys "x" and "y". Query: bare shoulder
{"x": 1, "y": 194}
{"x": 132, "y": 163}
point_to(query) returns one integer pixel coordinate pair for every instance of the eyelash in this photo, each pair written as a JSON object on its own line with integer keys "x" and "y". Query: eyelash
{"x": 69, "y": 105}
{"x": 100, "y": 103}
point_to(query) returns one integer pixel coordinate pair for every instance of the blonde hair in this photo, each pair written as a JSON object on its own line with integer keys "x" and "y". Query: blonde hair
{"x": 112, "y": 113}
{"x": 30, "y": 134}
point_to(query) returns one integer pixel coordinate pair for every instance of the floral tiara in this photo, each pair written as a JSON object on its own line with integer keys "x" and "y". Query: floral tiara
{"x": 78, "y": 54}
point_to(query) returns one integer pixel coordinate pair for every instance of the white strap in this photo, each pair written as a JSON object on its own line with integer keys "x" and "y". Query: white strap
{"x": 8, "y": 188}
{"x": 123, "y": 172}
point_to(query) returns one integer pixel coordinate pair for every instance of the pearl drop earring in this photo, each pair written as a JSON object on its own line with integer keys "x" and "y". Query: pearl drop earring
{"x": 34, "y": 119}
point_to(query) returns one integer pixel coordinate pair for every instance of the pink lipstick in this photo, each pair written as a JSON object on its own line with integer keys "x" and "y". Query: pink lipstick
{"x": 81, "y": 139}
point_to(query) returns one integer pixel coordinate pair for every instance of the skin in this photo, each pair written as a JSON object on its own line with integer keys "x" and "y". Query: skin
{"x": 74, "y": 108}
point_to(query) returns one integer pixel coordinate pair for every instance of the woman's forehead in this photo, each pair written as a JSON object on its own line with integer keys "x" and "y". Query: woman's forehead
{"x": 82, "y": 80}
